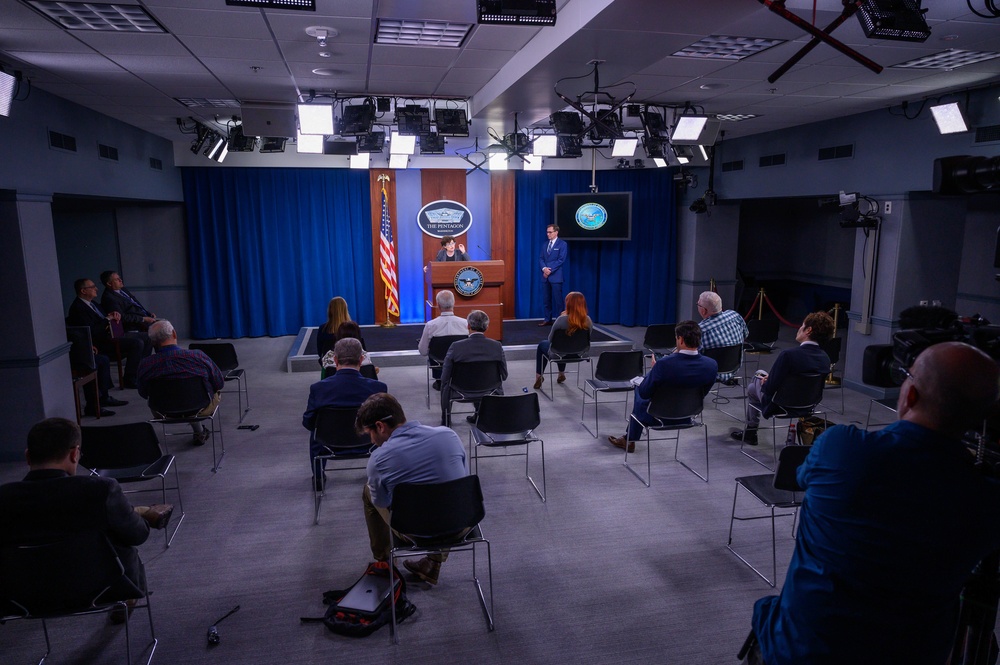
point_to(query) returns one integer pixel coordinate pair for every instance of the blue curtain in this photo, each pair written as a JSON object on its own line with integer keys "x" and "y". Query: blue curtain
{"x": 269, "y": 247}
{"x": 634, "y": 282}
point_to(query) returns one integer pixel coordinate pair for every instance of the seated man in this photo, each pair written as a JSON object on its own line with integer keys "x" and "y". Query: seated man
{"x": 173, "y": 362}
{"x": 443, "y": 325}
{"x": 406, "y": 452}
{"x": 719, "y": 328}
{"x": 684, "y": 368}
{"x": 346, "y": 387}
{"x": 53, "y": 501}
{"x": 116, "y": 298}
{"x": 807, "y": 358}
{"x": 890, "y": 528}
{"x": 84, "y": 311}
{"x": 476, "y": 348}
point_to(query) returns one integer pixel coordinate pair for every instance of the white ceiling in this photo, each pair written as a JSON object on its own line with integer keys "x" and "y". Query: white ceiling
{"x": 210, "y": 50}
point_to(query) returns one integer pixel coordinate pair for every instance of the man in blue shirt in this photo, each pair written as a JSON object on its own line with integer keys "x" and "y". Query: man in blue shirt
{"x": 406, "y": 452}
{"x": 891, "y": 525}
{"x": 719, "y": 327}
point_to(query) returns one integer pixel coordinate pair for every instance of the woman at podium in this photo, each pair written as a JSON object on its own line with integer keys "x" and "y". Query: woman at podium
{"x": 449, "y": 252}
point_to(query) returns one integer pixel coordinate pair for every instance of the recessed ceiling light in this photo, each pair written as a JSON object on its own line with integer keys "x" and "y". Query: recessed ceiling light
{"x": 325, "y": 71}
{"x": 713, "y": 86}
{"x": 421, "y": 33}
{"x": 93, "y": 16}
{"x": 306, "y": 5}
{"x": 324, "y": 54}
{"x": 950, "y": 59}
{"x": 727, "y": 48}
{"x": 735, "y": 117}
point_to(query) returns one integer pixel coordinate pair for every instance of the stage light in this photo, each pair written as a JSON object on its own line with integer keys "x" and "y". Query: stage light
{"x": 271, "y": 144}
{"x": 431, "y": 144}
{"x": 309, "y": 143}
{"x": 361, "y": 160}
{"x": 218, "y": 149}
{"x": 451, "y": 122}
{"x": 357, "y": 120}
{"x": 202, "y": 137}
{"x": 401, "y": 144}
{"x": 315, "y": 119}
{"x": 498, "y": 161}
{"x": 693, "y": 155}
{"x": 398, "y": 161}
{"x": 654, "y": 147}
{"x": 240, "y": 142}
{"x": 8, "y": 85}
{"x": 696, "y": 130}
{"x": 624, "y": 147}
{"x": 949, "y": 118}
{"x": 545, "y": 145}
{"x": 566, "y": 123}
{"x": 607, "y": 126}
{"x": 569, "y": 147}
{"x": 371, "y": 142}
{"x": 653, "y": 124}
{"x": 899, "y": 20}
{"x": 660, "y": 162}
{"x": 413, "y": 120}
{"x": 533, "y": 164}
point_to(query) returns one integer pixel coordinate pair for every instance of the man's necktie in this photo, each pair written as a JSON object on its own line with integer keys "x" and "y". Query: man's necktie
{"x": 97, "y": 309}
{"x": 135, "y": 302}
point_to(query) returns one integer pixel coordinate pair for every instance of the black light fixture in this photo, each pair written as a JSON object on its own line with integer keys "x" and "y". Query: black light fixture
{"x": 568, "y": 147}
{"x": 654, "y": 147}
{"x": 607, "y": 126}
{"x": 431, "y": 144}
{"x": 566, "y": 123}
{"x": 451, "y": 122}
{"x": 371, "y": 142}
{"x": 270, "y": 144}
{"x": 202, "y": 137}
{"x": 413, "y": 120}
{"x": 240, "y": 142}
{"x": 898, "y": 20}
{"x": 358, "y": 119}
{"x": 517, "y": 12}
{"x": 653, "y": 124}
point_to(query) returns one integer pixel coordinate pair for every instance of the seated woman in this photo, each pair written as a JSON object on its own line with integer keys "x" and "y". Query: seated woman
{"x": 574, "y": 321}
{"x": 326, "y": 336}
{"x": 449, "y": 253}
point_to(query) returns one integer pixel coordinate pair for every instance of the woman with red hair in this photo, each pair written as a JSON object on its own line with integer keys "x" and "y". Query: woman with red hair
{"x": 574, "y": 321}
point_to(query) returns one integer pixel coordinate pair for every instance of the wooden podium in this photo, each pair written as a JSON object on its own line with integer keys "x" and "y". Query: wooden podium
{"x": 441, "y": 275}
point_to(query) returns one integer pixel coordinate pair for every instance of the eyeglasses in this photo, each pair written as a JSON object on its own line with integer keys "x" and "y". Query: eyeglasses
{"x": 371, "y": 426}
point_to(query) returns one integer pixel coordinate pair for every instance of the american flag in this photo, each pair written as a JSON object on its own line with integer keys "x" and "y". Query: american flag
{"x": 387, "y": 260}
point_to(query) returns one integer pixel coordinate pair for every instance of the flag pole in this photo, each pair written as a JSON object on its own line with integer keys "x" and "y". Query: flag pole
{"x": 387, "y": 267}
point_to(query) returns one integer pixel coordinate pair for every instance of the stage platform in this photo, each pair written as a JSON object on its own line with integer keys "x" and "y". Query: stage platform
{"x": 397, "y": 346}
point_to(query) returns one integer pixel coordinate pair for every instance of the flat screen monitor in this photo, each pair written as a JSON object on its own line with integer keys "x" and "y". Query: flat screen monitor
{"x": 600, "y": 216}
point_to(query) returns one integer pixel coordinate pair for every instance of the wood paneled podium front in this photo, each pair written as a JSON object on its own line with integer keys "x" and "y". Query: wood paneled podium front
{"x": 441, "y": 275}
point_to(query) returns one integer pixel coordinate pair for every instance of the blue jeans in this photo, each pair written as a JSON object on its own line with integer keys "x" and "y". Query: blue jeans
{"x": 542, "y": 358}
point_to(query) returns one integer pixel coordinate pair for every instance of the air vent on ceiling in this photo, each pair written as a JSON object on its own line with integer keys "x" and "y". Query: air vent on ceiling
{"x": 108, "y": 152}
{"x": 988, "y": 134}
{"x": 772, "y": 160}
{"x": 156, "y": 164}
{"x": 836, "y": 152}
{"x": 736, "y": 165}
{"x": 62, "y": 141}
{"x": 305, "y": 5}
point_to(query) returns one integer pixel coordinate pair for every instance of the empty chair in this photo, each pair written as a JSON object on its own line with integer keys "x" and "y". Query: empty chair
{"x": 75, "y": 575}
{"x": 470, "y": 382}
{"x": 568, "y": 349}
{"x": 614, "y": 373}
{"x": 335, "y": 432}
{"x": 659, "y": 338}
{"x": 506, "y": 421}
{"x": 435, "y": 518}
{"x": 83, "y": 368}
{"x": 131, "y": 454}
{"x": 223, "y": 354}
{"x": 183, "y": 401}
{"x": 730, "y": 359}
{"x": 437, "y": 350}
{"x": 676, "y": 409}
{"x": 761, "y": 338}
{"x": 775, "y": 491}
{"x": 797, "y": 397}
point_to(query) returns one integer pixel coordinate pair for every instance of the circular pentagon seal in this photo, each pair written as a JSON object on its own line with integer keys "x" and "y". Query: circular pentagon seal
{"x": 468, "y": 281}
{"x": 591, "y": 216}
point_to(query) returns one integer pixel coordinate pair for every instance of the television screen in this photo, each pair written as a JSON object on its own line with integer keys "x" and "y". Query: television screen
{"x": 601, "y": 216}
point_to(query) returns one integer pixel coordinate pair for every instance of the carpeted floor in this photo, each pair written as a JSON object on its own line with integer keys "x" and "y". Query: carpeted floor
{"x": 607, "y": 570}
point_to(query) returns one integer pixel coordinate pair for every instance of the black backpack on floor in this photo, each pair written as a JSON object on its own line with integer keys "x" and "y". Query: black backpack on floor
{"x": 357, "y": 623}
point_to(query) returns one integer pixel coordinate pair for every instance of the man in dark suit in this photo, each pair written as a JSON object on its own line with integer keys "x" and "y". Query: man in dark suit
{"x": 807, "y": 358}
{"x": 52, "y": 500}
{"x": 116, "y": 298}
{"x": 345, "y": 388}
{"x": 84, "y": 311}
{"x": 551, "y": 262}
{"x": 684, "y": 368}
{"x": 476, "y": 348}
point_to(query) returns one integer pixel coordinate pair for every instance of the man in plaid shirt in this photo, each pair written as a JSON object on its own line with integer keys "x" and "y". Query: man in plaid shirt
{"x": 172, "y": 362}
{"x": 719, "y": 328}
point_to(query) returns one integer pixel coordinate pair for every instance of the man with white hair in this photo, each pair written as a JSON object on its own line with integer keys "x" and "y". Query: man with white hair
{"x": 719, "y": 327}
{"x": 477, "y": 348}
{"x": 443, "y": 325}
{"x": 172, "y": 362}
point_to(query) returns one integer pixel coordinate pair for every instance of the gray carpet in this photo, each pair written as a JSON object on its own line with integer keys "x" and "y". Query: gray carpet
{"x": 606, "y": 571}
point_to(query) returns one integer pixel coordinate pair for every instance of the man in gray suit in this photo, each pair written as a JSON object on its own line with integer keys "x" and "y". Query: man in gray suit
{"x": 476, "y": 348}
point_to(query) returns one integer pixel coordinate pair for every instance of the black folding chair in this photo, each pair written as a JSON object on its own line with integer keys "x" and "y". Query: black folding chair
{"x": 75, "y": 575}
{"x": 775, "y": 491}
{"x": 614, "y": 374}
{"x": 131, "y": 454}
{"x": 660, "y": 339}
{"x": 436, "y": 351}
{"x": 675, "y": 409}
{"x": 568, "y": 349}
{"x": 796, "y": 397}
{"x": 730, "y": 359}
{"x": 223, "y": 354}
{"x": 470, "y": 382}
{"x": 335, "y": 432}
{"x": 181, "y": 401}
{"x": 506, "y": 421}
{"x": 436, "y": 518}
{"x": 83, "y": 367}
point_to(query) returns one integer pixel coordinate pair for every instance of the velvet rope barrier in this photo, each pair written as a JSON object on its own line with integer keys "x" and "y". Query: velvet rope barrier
{"x": 771, "y": 306}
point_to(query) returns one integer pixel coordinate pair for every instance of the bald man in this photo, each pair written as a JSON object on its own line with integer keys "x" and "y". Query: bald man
{"x": 891, "y": 525}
